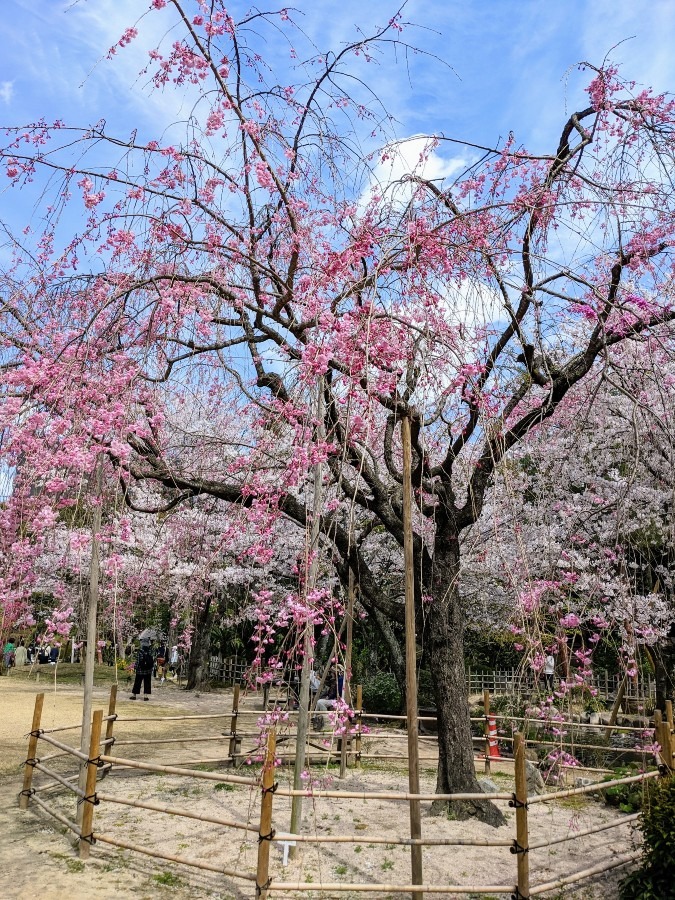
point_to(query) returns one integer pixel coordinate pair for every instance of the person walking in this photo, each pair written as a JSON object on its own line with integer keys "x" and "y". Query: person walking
{"x": 8, "y": 654}
{"x": 20, "y": 655}
{"x": 143, "y": 668}
{"x": 549, "y": 670}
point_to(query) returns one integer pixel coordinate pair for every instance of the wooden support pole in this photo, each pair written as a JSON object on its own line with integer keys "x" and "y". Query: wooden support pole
{"x": 312, "y": 571}
{"x": 411, "y": 657}
{"x": 87, "y": 819}
{"x": 522, "y": 844}
{"x": 359, "y": 725}
{"x": 265, "y": 832}
{"x": 348, "y": 670}
{"x": 671, "y": 726}
{"x": 663, "y": 738}
{"x": 233, "y": 725}
{"x": 110, "y": 722}
{"x": 24, "y": 797}
{"x": 667, "y": 744}
{"x": 92, "y": 618}
{"x": 486, "y": 705}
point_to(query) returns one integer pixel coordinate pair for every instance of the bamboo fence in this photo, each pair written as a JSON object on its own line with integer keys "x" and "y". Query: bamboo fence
{"x": 521, "y": 844}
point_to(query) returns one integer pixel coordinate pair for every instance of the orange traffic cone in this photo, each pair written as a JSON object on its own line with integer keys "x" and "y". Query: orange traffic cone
{"x": 492, "y": 738}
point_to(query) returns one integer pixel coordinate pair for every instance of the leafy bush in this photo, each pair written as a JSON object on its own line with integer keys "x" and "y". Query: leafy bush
{"x": 381, "y": 693}
{"x": 626, "y": 797}
{"x": 655, "y": 878}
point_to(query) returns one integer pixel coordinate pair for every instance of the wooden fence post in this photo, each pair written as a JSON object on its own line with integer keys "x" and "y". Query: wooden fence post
{"x": 522, "y": 842}
{"x": 671, "y": 727}
{"x": 112, "y": 706}
{"x": 359, "y": 725}
{"x": 89, "y": 799}
{"x": 233, "y": 725}
{"x": 486, "y": 705}
{"x": 24, "y": 796}
{"x": 265, "y": 831}
{"x": 663, "y": 737}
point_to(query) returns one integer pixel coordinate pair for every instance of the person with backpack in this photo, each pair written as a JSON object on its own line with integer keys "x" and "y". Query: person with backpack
{"x": 144, "y": 665}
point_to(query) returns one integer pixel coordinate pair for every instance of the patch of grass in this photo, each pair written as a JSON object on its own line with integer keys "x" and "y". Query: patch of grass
{"x": 358, "y": 849}
{"x": 168, "y": 879}
{"x": 223, "y": 786}
{"x": 74, "y": 865}
{"x": 387, "y": 864}
{"x": 341, "y": 869}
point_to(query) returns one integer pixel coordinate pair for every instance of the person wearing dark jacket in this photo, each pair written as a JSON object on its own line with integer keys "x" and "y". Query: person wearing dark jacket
{"x": 143, "y": 668}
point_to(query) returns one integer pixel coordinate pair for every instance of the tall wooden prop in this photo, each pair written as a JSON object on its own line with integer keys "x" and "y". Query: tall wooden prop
{"x": 348, "y": 670}
{"x": 486, "y": 706}
{"x": 303, "y": 702}
{"x": 265, "y": 832}
{"x": 233, "y": 725}
{"x": 411, "y": 659}
{"x": 522, "y": 844}
{"x": 92, "y": 616}
{"x": 88, "y": 801}
{"x": 24, "y": 797}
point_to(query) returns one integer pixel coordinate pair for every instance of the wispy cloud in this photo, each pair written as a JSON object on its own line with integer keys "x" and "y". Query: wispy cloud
{"x": 6, "y": 91}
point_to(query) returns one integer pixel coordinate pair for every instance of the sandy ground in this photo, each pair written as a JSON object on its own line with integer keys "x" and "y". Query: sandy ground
{"x": 37, "y": 857}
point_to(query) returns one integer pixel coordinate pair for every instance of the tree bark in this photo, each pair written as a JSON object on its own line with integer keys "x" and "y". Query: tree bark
{"x": 445, "y": 645}
{"x": 198, "y": 661}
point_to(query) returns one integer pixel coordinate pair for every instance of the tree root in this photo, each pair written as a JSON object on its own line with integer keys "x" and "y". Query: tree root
{"x": 483, "y": 810}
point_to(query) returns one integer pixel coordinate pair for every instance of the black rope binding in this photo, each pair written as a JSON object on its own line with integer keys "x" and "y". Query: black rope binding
{"x": 515, "y": 803}
{"x": 664, "y": 770}
{"x": 88, "y": 838}
{"x": 516, "y": 895}
{"x": 28, "y": 792}
{"x": 36, "y": 732}
{"x": 32, "y": 761}
{"x": 266, "y": 837}
{"x": 517, "y": 848}
{"x": 95, "y": 761}
{"x": 259, "y": 888}
{"x": 90, "y": 798}
{"x": 272, "y": 789}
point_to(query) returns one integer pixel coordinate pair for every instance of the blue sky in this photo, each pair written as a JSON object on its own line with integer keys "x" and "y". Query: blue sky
{"x": 513, "y": 62}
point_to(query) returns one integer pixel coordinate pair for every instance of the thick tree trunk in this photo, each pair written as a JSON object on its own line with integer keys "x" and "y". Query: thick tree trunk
{"x": 198, "y": 661}
{"x": 444, "y": 642}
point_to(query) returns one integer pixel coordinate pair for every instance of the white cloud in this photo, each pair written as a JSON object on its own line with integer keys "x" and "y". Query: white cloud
{"x": 6, "y": 91}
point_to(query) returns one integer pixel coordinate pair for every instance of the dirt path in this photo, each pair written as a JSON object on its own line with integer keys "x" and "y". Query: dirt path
{"x": 37, "y": 859}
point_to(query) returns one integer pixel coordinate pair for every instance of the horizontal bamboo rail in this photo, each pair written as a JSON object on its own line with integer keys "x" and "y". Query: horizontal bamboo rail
{"x": 73, "y": 727}
{"x": 360, "y": 887}
{"x": 404, "y": 842}
{"x": 585, "y": 873}
{"x": 57, "y": 815}
{"x": 65, "y": 747}
{"x": 537, "y": 845}
{"x": 605, "y": 748}
{"x": 556, "y": 724}
{"x": 390, "y": 795}
{"x": 182, "y": 860}
{"x": 175, "y": 811}
{"x": 591, "y": 788}
{"x": 53, "y": 785}
{"x": 175, "y": 770}
{"x": 225, "y": 715}
{"x": 181, "y": 740}
{"x": 57, "y": 777}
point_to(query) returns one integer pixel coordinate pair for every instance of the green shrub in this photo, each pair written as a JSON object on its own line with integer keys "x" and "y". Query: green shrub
{"x": 655, "y": 878}
{"x": 381, "y": 694}
{"x": 626, "y": 797}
